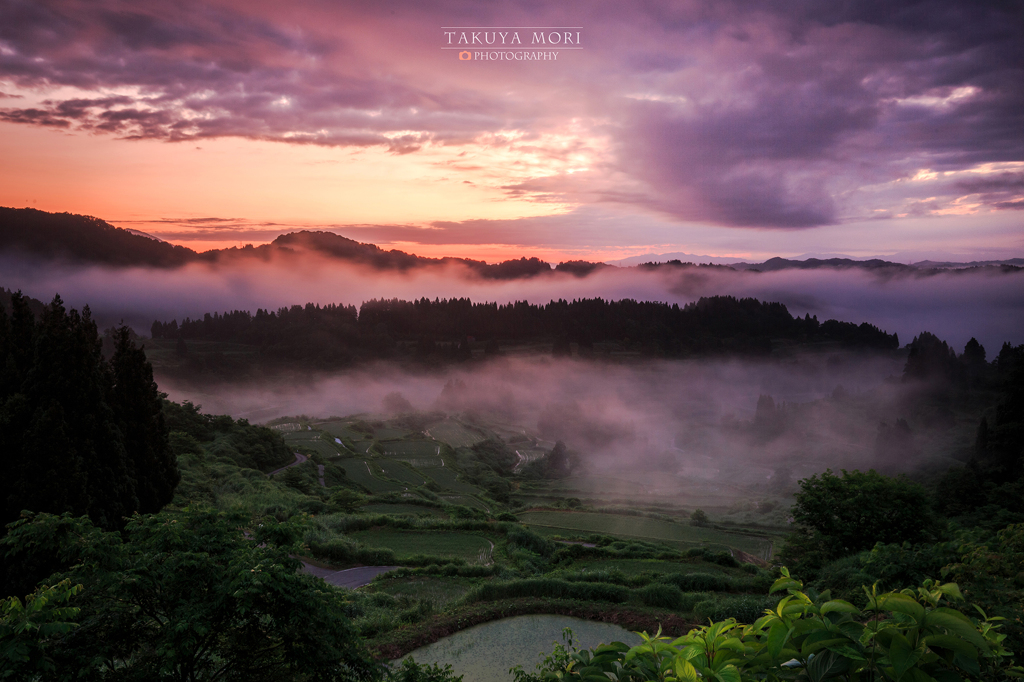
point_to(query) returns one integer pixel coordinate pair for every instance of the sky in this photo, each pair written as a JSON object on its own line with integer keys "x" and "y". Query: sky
{"x": 731, "y": 129}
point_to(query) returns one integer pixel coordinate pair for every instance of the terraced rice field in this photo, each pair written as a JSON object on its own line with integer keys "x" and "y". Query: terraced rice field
{"x": 598, "y": 485}
{"x": 391, "y": 432}
{"x": 448, "y": 478}
{"x": 635, "y": 566}
{"x": 399, "y": 471}
{"x": 420, "y": 462}
{"x": 320, "y": 446}
{"x": 386, "y": 508}
{"x": 358, "y": 470}
{"x": 465, "y": 501}
{"x": 288, "y": 427}
{"x": 300, "y": 436}
{"x": 455, "y": 434}
{"x": 440, "y": 591}
{"x": 407, "y": 543}
{"x": 641, "y": 528}
{"x": 526, "y": 456}
{"x": 410, "y": 448}
{"x": 341, "y": 429}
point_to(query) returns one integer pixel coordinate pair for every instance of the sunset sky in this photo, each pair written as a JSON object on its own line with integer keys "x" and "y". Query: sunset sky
{"x": 729, "y": 129}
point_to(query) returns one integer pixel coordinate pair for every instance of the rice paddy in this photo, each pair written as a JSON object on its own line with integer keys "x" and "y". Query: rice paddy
{"x": 641, "y": 528}
{"x": 400, "y": 471}
{"x": 455, "y": 434}
{"x": 390, "y": 508}
{"x": 360, "y": 471}
{"x": 411, "y": 448}
{"x": 448, "y": 478}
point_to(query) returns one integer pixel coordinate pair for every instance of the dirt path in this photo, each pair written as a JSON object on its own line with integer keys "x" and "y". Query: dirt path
{"x": 299, "y": 459}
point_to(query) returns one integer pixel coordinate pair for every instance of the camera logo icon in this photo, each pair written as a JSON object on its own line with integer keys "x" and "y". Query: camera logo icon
{"x": 465, "y": 56}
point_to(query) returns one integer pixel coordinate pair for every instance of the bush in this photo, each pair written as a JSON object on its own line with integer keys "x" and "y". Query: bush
{"x": 662, "y": 596}
{"x": 698, "y": 582}
{"x": 548, "y": 588}
{"x": 521, "y": 537}
{"x": 340, "y": 551}
{"x": 745, "y": 608}
{"x": 690, "y": 599}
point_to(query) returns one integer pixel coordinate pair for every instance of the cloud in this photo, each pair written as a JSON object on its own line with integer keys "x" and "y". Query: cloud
{"x": 767, "y": 115}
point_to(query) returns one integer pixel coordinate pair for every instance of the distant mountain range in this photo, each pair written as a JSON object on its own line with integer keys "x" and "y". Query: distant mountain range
{"x": 88, "y": 240}
{"x": 834, "y": 261}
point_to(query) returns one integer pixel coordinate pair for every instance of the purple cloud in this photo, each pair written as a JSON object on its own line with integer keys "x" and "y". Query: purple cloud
{"x": 769, "y": 114}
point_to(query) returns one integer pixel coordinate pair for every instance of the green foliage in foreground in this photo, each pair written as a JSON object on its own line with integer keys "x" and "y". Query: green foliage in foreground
{"x": 181, "y": 597}
{"x": 837, "y": 516}
{"x": 911, "y": 635}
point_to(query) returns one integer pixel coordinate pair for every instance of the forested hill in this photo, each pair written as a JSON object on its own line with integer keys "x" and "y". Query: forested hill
{"x": 34, "y": 306}
{"x": 84, "y": 239}
{"x": 87, "y": 240}
{"x": 334, "y": 335}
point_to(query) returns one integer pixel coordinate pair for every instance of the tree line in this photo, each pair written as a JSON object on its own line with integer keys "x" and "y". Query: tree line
{"x": 79, "y": 433}
{"x": 338, "y": 334}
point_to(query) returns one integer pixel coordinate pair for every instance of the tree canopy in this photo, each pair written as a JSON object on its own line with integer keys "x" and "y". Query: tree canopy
{"x": 836, "y": 516}
{"x": 78, "y": 433}
{"x": 185, "y": 597}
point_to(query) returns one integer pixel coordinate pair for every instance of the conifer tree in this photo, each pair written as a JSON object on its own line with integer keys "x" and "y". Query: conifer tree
{"x": 137, "y": 402}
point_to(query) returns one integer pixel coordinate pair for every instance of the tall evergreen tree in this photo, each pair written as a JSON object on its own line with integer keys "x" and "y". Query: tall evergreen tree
{"x": 78, "y": 434}
{"x": 136, "y": 400}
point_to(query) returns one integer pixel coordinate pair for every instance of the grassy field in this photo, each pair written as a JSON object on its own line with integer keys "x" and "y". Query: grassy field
{"x": 407, "y": 543}
{"x": 440, "y": 591}
{"x": 448, "y": 478}
{"x": 399, "y": 471}
{"x": 388, "y": 508}
{"x": 356, "y": 470}
{"x": 641, "y": 528}
{"x": 410, "y": 448}
{"x": 455, "y": 434}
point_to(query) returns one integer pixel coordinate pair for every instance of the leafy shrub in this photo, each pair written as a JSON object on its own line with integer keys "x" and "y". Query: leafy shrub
{"x": 698, "y": 582}
{"x": 906, "y": 635}
{"x": 662, "y": 596}
{"x": 548, "y": 588}
{"x": 527, "y": 539}
{"x": 745, "y": 608}
{"x": 691, "y": 599}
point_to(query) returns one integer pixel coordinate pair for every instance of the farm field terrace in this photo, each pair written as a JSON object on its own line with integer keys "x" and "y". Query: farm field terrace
{"x": 458, "y": 519}
{"x": 629, "y": 526}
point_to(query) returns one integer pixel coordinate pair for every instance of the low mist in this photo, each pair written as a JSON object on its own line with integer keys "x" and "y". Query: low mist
{"x": 983, "y": 303}
{"x": 672, "y": 428}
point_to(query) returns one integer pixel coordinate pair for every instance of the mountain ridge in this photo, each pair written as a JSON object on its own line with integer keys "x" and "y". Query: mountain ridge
{"x": 89, "y": 240}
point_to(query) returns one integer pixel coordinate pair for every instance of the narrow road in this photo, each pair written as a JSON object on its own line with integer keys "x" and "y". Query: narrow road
{"x": 350, "y": 578}
{"x": 299, "y": 459}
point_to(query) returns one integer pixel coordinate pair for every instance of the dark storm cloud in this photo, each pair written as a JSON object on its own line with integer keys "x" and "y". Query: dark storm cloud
{"x": 832, "y": 97}
{"x": 756, "y": 114}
